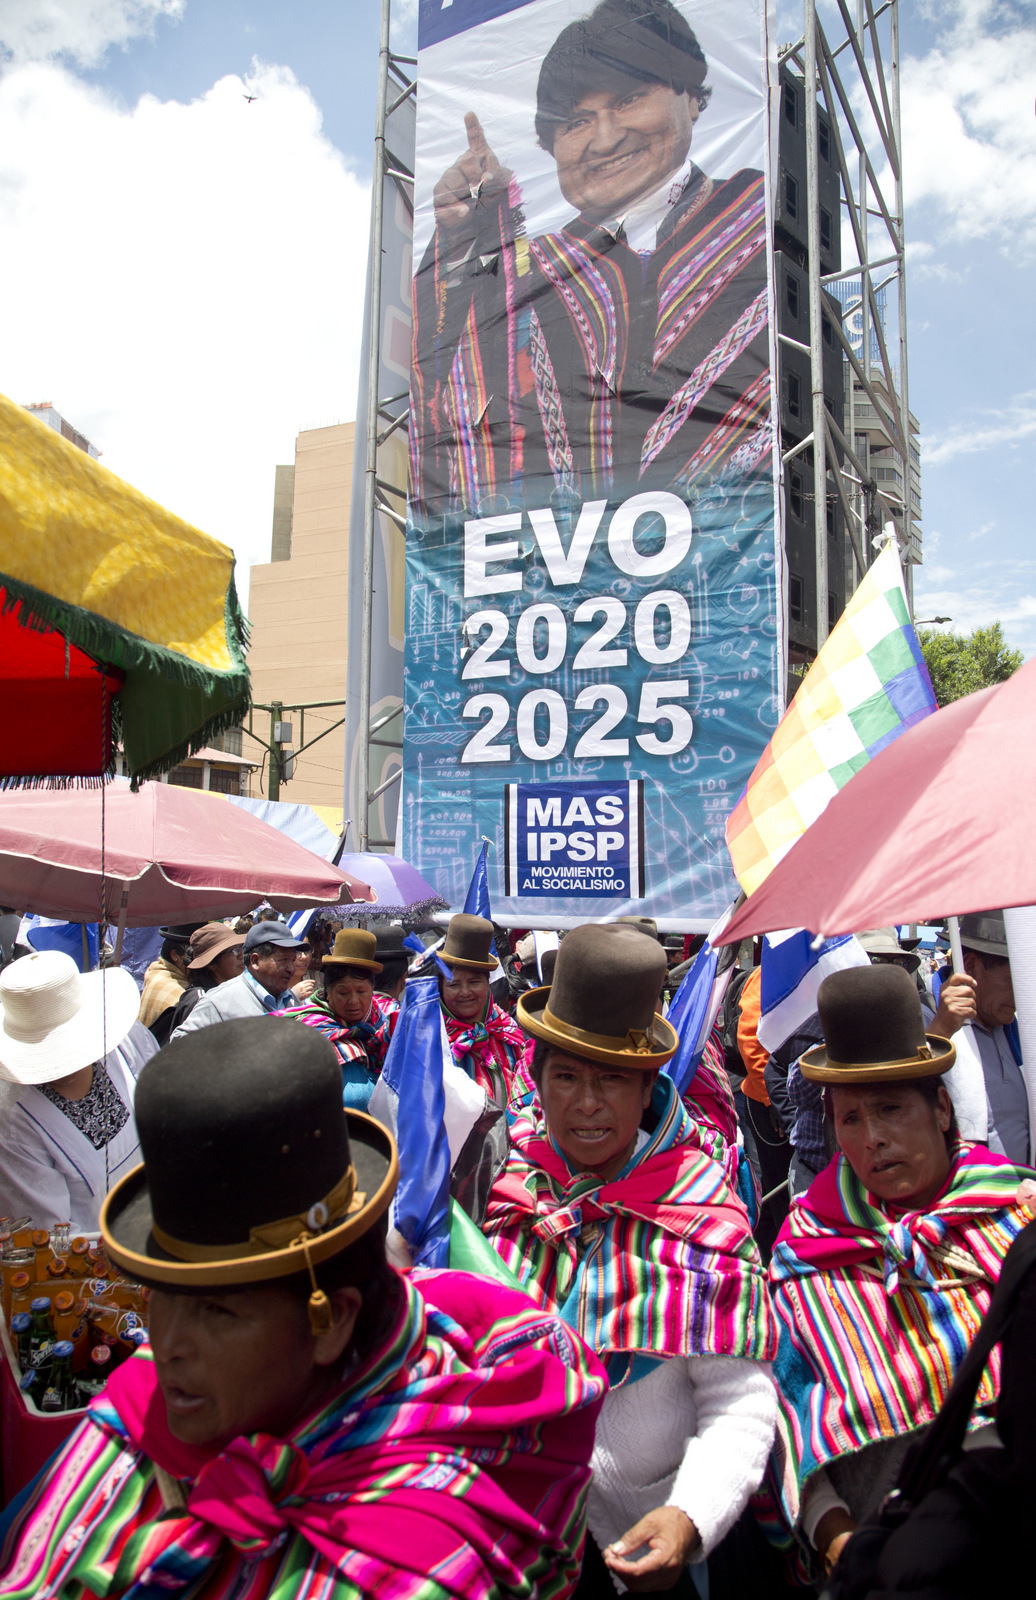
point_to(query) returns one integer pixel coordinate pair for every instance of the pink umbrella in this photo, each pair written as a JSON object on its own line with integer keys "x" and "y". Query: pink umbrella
{"x": 938, "y": 823}
{"x": 165, "y": 854}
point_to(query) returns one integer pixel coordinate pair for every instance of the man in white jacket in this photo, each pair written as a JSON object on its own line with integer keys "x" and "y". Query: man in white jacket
{"x": 71, "y": 1049}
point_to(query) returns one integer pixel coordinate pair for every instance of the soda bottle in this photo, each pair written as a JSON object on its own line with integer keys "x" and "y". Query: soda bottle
{"x": 80, "y": 1336}
{"x": 21, "y": 1332}
{"x": 59, "y": 1238}
{"x": 19, "y": 1264}
{"x": 78, "y": 1262}
{"x": 96, "y": 1375}
{"x": 21, "y": 1287}
{"x": 41, "y": 1245}
{"x": 42, "y": 1324}
{"x": 59, "y": 1395}
{"x": 64, "y": 1311}
{"x": 57, "y": 1267}
{"x": 29, "y": 1383}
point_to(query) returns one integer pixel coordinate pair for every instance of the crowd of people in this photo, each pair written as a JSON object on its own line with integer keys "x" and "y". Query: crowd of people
{"x": 712, "y": 1318}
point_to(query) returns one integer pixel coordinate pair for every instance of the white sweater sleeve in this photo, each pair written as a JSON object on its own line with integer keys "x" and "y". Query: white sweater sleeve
{"x": 736, "y": 1405}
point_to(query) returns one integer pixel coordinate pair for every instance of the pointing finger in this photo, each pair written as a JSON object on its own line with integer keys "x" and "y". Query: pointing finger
{"x": 476, "y": 138}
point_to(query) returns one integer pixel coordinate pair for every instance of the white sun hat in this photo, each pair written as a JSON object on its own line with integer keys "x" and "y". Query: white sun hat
{"x": 57, "y": 1019}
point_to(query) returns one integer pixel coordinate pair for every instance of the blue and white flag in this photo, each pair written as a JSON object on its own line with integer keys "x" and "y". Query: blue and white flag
{"x": 792, "y": 972}
{"x": 696, "y": 1006}
{"x": 476, "y": 903}
{"x": 410, "y": 1099}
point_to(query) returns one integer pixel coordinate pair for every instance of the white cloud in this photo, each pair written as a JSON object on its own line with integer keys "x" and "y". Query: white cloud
{"x": 972, "y": 601}
{"x": 184, "y": 282}
{"x": 988, "y": 431}
{"x": 83, "y": 30}
{"x": 968, "y": 130}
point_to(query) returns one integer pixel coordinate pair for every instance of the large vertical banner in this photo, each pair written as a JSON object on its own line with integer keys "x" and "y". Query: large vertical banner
{"x": 594, "y": 633}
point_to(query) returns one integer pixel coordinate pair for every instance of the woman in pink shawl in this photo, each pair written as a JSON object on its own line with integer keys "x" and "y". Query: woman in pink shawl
{"x": 486, "y": 1042}
{"x": 306, "y": 1422}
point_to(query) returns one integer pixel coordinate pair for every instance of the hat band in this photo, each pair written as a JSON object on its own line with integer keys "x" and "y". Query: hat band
{"x": 342, "y": 1201}
{"x": 924, "y": 1053}
{"x": 635, "y": 1042}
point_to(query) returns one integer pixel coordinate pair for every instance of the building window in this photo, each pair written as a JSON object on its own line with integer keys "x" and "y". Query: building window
{"x": 794, "y": 395}
{"x": 833, "y": 608}
{"x": 795, "y": 496}
{"x": 795, "y": 607}
{"x": 224, "y": 780}
{"x": 830, "y": 520}
{"x": 186, "y": 777}
{"x": 791, "y": 106}
{"x": 791, "y": 294}
{"x": 825, "y": 229}
{"x": 791, "y": 195}
{"x": 825, "y": 329}
{"x": 824, "y": 140}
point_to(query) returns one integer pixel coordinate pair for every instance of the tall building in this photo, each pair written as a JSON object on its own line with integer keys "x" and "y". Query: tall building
{"x": 47, "y": 412}
{"x": 297, "y": 612}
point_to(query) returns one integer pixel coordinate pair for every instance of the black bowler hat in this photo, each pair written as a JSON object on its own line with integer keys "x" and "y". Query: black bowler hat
{"x": 180, "y": 932}
{"x": 252, "y": 1170}
{"x": 601, "y": 1000}
{"x": 874, "y": 1030}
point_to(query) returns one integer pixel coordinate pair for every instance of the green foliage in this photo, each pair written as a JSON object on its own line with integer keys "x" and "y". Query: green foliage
{"x": 960, "y": 663}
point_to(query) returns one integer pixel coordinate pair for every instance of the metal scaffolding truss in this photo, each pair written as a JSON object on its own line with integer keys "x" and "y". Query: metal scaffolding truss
{"x": 854, "y": 75}
{"x": 386, "y": 413}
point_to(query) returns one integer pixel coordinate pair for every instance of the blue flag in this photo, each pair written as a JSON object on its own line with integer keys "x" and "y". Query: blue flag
{"x": 477, "y": 902}
{"x": 692, "y": 1014}
{"x": 413, "y": 1077}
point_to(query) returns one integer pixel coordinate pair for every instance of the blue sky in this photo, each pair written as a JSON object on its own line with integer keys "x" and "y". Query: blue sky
{"x": 190, "y": 266}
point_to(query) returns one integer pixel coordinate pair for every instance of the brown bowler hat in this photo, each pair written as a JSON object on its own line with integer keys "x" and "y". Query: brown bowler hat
{"x": 469, "y": 943}
{"x": 601, "y": 1003}
{"x": 646, "y": 925}
{"x": 874, "y": 1030}
{"x": 354, "y": 947}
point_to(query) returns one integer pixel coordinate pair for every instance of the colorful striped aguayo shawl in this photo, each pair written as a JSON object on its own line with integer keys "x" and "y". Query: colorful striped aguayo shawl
{"x": 454, "y": 1464}
{"x": 876, "y": 1311}
{"x": 359, "y": 1044}
{"x": 658, "y": 1261}
{"x": 490, "y": 1051}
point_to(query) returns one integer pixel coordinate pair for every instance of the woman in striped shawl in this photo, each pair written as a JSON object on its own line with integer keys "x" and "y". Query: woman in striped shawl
{"x": 884, "y": 1268}
{"x": 486, "y": 1043}
{"x": 307, "y": 1424}
{"x": 614, "y": 1215}
{"x": 358, "y": 1022}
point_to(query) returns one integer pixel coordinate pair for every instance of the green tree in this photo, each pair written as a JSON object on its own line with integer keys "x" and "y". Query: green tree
{"x": 960, "y": 663}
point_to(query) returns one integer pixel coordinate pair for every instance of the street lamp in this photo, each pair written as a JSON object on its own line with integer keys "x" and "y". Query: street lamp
{"x": 923, "y": 622}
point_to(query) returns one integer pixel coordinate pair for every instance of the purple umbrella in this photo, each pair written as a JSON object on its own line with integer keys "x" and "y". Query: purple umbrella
{"x": 397, "y": 889}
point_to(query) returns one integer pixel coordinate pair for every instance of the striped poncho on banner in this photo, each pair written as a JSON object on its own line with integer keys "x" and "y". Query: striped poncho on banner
{"x": 875, "y": 1311}
{"x": 658, "y": 1261}
{"x": 460, "y": 1449}
{"x": 868, "y": 685}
